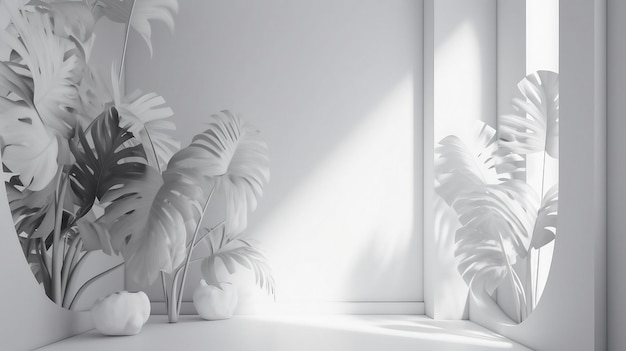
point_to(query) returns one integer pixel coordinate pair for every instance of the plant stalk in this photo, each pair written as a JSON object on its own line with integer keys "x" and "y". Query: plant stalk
{"x": 57, "y": 259}
{"x": 193, "y": 240}
{"x": 91, "y": 281}
{"x": 130, "y": 18}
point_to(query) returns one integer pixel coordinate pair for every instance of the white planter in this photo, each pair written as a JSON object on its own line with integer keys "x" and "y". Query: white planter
{"x": 121, "y": 313}
{"x": 214, "y": 303}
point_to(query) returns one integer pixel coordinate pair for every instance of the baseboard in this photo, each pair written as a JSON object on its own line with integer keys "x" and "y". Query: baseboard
{"x": 315, "y": 308}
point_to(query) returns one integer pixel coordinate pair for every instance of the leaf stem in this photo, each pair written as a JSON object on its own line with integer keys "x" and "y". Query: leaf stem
{"x": 164, "y": 285}
{"x": 57, "y": 260}
{"x": 130, "y": 18}
{"x": 91, "y": 281}
{"x": 68, "y": 259}
{"x": 156, "y": 158}
{"x": 209, "y": 232}
{"x": 193, "y": 240}
{"x": 520, "y": 297}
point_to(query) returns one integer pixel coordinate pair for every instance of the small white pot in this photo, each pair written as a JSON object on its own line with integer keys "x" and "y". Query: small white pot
{"x": 213, "y": 303}
{"x": 121, "y": 313}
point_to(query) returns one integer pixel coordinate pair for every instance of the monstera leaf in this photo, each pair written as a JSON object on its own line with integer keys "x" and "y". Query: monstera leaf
{"x": 105, "y": 159}
{"x": 234, "y": 253}
{"x": 147, "y": 117}
{"x": 139, "y": 13}
{"x": 154, "y": 219}
{"x": 497, "y": 224}
{"x": 29, "y": 149}
{"x": 32, "y": 211}
{"x": 238, "y": 161}
{"x": 53, "y": 68}
{"x": 71, "y": 18}
{"x": 536, "y": 126}
{"x": 545, "y": 226}
{"x": 461, "y": 167}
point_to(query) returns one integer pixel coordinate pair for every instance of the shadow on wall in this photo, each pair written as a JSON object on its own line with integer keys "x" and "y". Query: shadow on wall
{"x": 333, "y": 98}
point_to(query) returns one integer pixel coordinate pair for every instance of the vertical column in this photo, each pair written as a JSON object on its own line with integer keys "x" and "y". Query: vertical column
{"x": 460, "y": 89}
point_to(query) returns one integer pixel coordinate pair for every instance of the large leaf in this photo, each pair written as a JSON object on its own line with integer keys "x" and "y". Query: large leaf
{"x": 53, "y": 64}
{"x": 233, "y": 254}
{"x": 497, "y": 224}
{"x": 94, "y": 95}
{"x": 545, "y": 226}
{"x": 105, "y": 159}
{"x": 71, "y": 18}
{"x": 149, "y": 222}
{"x": 29, "y": 149}
{"x": 535, "y": 128}
{"x": 236, "y": 157}
{"x": 153, "y": 219}
{"x": 139, "y": 13}
{"x": 462, "y": 166}
{"x": 147, "y": 117}
{"x": 32, "y": 211}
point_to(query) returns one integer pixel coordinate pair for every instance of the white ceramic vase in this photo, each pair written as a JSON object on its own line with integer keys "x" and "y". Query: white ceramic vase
{"x": 213, "y": 302}
{"x": 121, "y": 313}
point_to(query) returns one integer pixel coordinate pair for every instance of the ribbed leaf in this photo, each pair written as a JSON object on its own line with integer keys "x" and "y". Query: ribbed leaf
{"x": 143, "y": 12}
{"x": 233, "y": 254}
{"x": 53, "y": 65}
{"x": 71, "y": 18}
{"x": 236, "y": 157}
{"x": 32, "y": 211}
{"x": 497, "y": 223}
{"x": 105, "y": 159}
{"x": 535, "y": 128}
{"x": 545, "y": 226}
{"x": 462, "y": 166}
{"x": 154, "y": 231}
{"x": 146, "y": 116}
{"x": 152, "y": 218}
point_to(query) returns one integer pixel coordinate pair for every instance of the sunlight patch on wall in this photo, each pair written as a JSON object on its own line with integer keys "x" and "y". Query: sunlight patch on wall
{"x": 347, "y": 231}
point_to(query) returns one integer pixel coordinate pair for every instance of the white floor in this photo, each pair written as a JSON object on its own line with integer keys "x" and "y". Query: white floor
{"x": 298, "y": 333}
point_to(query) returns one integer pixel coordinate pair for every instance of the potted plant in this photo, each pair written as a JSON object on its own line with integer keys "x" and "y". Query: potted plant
{"x": 504, "y": 222}
{"x": 92, "y": 168}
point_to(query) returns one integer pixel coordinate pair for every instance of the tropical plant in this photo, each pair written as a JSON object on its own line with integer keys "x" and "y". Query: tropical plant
{"x": 93, "y": 169}
{"x": 504, "y": 220}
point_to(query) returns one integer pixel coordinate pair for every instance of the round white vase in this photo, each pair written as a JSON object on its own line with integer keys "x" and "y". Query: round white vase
{"x": 121, "y": 313}
{"x": 213, "y": 302}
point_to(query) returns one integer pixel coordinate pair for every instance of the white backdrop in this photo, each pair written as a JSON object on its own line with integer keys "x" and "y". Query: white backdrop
{"x": 335, "y": 88}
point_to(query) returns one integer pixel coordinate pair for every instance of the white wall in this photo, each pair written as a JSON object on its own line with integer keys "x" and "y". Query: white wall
{"x": 335, "y": 88}
{"x": 616, "y": 173}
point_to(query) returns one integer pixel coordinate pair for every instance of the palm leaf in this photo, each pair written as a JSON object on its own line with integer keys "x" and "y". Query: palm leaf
{"x": 94, "y": 96}
{"x": 535, "y": 128}
{"x": 152, "y": 218}
{"x": 29, "y": 149}
{"x": 139, "y": 13}
{"x": 461, "y": 167}
{"x": 95, "y": 234}
{"x": 497, "y": 224}
{"x": 233, "y": 254}
{"x": 105, "y": 159}
{"x": 149, "y": 222}
{"x": 146, "y": 116}
{"x": 71, "y": 18}
{"x": 32, "y": 211}
{"x": 545, "y": 226}
{"x": 53, "y": 64}
{"x": 236, "y": 157}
